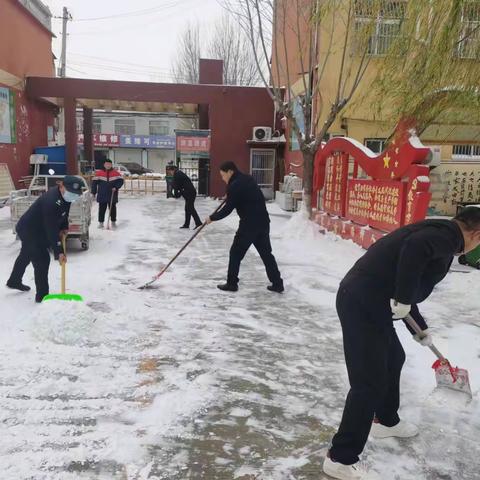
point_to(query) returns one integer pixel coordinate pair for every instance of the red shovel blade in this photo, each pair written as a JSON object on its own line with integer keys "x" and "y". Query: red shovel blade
{"x": 451, "y": 377}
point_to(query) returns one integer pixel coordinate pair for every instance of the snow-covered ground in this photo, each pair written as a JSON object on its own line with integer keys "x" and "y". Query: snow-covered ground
{"x": 186, "y": 382}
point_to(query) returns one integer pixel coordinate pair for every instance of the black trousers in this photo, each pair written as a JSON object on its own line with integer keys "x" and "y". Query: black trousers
{"x": 374, "y": 358}
{"x": 260, "y": 239}
{"x": 190, "y": 211}
{"x": 102, "y": 208}
{"x": 39, "y": 256}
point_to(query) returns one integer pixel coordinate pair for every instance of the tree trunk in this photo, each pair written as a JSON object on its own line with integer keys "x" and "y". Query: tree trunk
{"x": 308, "y": 158}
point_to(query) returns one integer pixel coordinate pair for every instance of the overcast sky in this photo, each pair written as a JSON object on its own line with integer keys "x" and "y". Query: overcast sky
{"x": 136, "y": 41}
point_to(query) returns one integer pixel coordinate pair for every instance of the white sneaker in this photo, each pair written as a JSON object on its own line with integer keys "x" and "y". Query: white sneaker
{"x": 348, "y": 472}
{"x": 100, "y": 225}
{"x": 401, "y": 430}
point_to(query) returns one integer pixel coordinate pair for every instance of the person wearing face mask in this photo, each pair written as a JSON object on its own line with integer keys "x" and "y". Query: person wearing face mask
{"x": 105, "y": 186}
{"x": 40, "y": 229}
{"x": 386, "y": 284}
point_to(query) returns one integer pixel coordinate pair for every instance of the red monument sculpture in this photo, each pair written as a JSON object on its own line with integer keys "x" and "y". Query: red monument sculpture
{"x": 365, "y": 195}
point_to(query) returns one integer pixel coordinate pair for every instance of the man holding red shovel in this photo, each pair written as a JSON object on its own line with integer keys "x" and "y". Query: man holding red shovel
{"x": 395, "y": 274}
{"x": 105, "y": 186}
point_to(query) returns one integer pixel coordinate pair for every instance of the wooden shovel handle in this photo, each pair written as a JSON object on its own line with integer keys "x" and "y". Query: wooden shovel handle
{"x": 63, "y": 266}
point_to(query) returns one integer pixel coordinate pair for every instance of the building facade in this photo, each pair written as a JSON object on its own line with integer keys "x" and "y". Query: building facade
{"x": 455, "y": 147}
{"x": 25, "y": 49}
{"x": 136, "y": 137}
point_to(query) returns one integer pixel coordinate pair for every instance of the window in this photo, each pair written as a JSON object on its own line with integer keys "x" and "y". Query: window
{"x": 466, "y": 152}
{"x": 262, "y": 168}
{"x": 469, "y": 42}
{"x": 376, "y": 145}
{"x": 97, "y": 125}
{"x": 386, "y": 17}
{"x": 159, "y": 127}
{"x": 125, "y": 126}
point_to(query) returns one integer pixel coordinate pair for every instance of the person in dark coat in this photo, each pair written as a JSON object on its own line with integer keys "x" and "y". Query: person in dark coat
{"x": 386, "y": 284}
{"x": 244, "y": 195}
{"x": 41, "y": 228}
{"x": 182, "y": 186}
{"x": 105, "y": 186}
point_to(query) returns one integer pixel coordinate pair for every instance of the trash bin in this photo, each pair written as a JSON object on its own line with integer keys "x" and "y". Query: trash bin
{"x": 471, "y": 258}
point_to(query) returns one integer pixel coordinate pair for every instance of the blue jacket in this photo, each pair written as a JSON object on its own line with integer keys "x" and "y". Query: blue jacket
{"x": 103, "y": 183}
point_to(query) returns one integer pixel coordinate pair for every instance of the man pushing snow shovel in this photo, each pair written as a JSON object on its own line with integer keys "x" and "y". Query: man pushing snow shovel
{"x": 395, "y": 274}
{"x": 41, "y": 228}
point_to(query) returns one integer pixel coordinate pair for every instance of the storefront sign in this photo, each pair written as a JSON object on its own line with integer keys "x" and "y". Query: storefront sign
{"x": 7, "y": 116}
{"x": 163, "y": 142}
{"x": 193, "y": 144}
{"x": 102, "y": 139}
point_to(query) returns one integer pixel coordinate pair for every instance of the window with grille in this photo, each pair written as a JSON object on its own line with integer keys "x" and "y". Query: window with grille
{"x": 376, "y": 145}
{"x": 469, "y": 42}
{"x": 125, "y": 126}
{"x": 384, "y": 19}
{"x": 466, "y": 152}
{"x": 159, "y": 127}
{"x": 97, "y": 125}
{"x": 262, "y": 169}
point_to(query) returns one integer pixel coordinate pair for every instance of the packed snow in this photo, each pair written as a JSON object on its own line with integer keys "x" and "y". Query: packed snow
{"x": 184, "y": 381}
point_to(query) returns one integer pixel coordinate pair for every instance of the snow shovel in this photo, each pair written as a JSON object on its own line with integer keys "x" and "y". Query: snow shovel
{"x": 63, "y": 296}
{"x": 446, "y": 375}
{"x": 164, "y": 269}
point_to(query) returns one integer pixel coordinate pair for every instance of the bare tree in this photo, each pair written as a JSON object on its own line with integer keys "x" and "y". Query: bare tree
{"x": 229, "y": 43}
{"x": 321, "y": 53}
{"x": 185, "y": 67}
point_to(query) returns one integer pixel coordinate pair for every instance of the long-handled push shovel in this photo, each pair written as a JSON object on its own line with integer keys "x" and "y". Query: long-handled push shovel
{"x": 110, "y": 209}
{"x": 164, "y": 269}
{"x": 446, "y": 375}
{"x": 63, "y": 296}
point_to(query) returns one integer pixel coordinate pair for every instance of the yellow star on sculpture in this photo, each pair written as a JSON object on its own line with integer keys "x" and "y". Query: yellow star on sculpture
{"x": 386, "y": 161}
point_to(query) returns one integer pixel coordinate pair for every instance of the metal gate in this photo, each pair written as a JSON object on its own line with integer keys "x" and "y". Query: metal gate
{"x": 262, "y": 168}
{"x": 199, "y": 172}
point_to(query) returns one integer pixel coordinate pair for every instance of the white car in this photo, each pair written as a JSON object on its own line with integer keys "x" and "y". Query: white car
{"x": 124, "y": 171}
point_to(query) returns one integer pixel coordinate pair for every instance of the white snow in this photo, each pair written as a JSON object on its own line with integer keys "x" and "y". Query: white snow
{"x": 184, "y": 381}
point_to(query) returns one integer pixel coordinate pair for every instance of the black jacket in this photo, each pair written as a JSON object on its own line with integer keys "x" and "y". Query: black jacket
{"x": 244, "y": 195}
{"x": 182, "y": 186}
{"x": 405, "y": 265}
{"x": 44, "y": 220}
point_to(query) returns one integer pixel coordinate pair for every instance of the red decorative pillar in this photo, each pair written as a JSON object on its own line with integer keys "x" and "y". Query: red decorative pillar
{"x": 88, "y": 135}
{"x": 70, "y": 105}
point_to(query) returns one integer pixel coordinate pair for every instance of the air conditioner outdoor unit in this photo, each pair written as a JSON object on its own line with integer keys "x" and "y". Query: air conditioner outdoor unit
{"x": 435, "y": 158}
{"x": 262, "y": 134}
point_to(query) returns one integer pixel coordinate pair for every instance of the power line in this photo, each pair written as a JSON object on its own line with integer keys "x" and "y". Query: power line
{"x": 135, "y": 13}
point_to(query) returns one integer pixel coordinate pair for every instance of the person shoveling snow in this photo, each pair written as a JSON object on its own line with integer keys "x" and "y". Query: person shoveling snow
{"x": 395, "y": 274}
{"x": 41, "y": 228}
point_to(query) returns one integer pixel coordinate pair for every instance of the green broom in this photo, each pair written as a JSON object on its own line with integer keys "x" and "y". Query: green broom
{"x": 63, "y": 296}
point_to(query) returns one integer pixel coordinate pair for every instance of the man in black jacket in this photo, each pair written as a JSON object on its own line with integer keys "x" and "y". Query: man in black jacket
{"x": 182, "y": 186}
{"x": 395, "y": 274}
{"x": 244, "y": 195}
{"x": 40, "y": 228}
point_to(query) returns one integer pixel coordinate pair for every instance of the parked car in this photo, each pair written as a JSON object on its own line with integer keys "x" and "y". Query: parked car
{"x": 135, "y": 168}
{"x": 124, "y": 171}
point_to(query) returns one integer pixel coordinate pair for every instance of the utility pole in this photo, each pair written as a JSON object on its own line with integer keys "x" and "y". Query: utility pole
{"x": 63, "y": 60}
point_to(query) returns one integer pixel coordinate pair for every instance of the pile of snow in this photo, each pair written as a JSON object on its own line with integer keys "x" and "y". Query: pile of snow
{"x": 63, "y": 322}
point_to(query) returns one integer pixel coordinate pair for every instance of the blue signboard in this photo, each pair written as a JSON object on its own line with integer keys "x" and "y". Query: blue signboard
{"x": 164, "y": 142}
